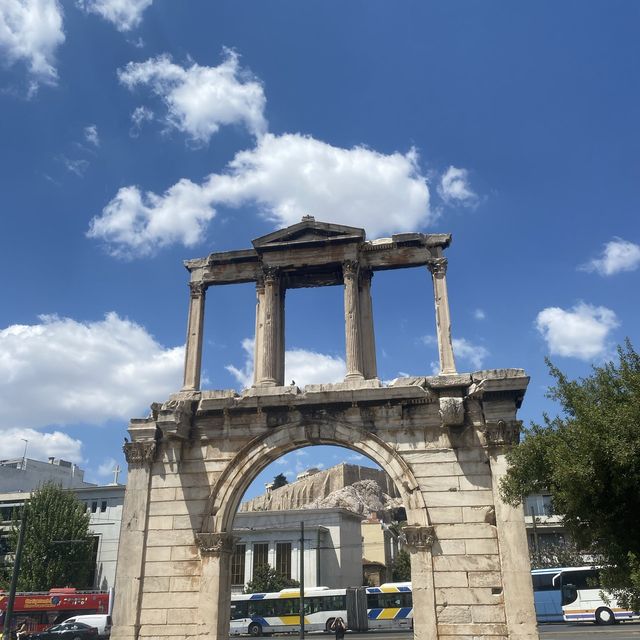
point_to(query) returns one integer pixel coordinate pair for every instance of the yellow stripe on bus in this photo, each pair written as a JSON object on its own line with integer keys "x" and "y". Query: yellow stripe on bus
{"x": 389, "y": 589}
{"x": 388, "y": 614}
{"x": 292, "y": 620}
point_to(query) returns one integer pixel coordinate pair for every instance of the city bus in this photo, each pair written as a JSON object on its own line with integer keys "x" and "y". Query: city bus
{"x": 582, "y": 598}
{"x": 389, "y": 606}
{"x": 547, "y": 596}
{"x": 39, "y": 610}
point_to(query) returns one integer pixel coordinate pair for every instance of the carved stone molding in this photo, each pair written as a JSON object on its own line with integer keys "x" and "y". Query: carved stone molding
{"x": 174, "y": 417}
{"x": 197, "y": 289}
{"x": 139, "y": 453}
{"x": 215, "y": 543}
{"x": 437, "y": 266}
{"x": 420, "y": 538}
{"x": 502, "y": 432}
{"x": 270, "y": 274}
{"x": 349, "y": 269}
{"x": 452, "y": 411}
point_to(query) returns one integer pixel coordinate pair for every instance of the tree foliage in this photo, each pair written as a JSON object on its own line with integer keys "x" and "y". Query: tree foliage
{"x": 279, "y": 481}
{"x": 402, "y": 567}
{"x": 564, "y": 554}
{"x": 266, "y": 579}
{"x": 588, "y": 458}
{"x": 58, "y": 549}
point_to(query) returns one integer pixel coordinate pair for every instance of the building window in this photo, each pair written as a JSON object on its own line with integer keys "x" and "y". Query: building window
{"x": 260, "y": 554}
{"x": 103, "y": 506}
{"x": 283, "y": 559}
{"x": 94, "y": 506}
{"x": 237, "y": 564}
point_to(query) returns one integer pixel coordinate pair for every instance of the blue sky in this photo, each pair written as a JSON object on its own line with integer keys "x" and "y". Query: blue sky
{"x": 136, "y": 135}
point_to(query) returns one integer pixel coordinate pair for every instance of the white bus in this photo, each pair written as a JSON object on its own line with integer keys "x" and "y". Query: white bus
{"x": 388, "y": 606}
{"x": 582, "y": 601}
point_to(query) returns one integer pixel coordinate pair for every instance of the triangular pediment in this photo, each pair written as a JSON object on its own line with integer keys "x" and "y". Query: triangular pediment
{"x": 308, "y": 231}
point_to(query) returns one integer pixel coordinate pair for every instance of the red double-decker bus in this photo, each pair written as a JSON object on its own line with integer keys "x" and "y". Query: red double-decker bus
{"x": 42, "y": 609}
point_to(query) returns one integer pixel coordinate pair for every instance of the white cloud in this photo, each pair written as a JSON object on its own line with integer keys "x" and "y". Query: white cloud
{"x": 454, "y": 187}
{"x": 61, "y": 371}
{"x": 30, "y": 32}
{"x": 469, "y": 352}
{"x": 617, "y": 255}
{"x": 107, "y": 467}
{"x": 123, "y": 14}
{"x": 91, "y": 135}
{"x": 479, "y": 314}
{"x": 142, "y": 223}
{"x": 303, "y": 366}
{"x": 463, "y": 350}
{"x": 77, "y": 167}
{"x": 580, "y": 332}
{"x": 40, "y": 445}
{"x": 286, "y": 176}
{"x": 199, "y": 99}
{"x": 139, "y": 116}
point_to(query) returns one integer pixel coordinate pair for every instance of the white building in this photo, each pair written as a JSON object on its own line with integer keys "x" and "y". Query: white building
{"x": 332, "y": 547}
{"x": 26, "y": 474}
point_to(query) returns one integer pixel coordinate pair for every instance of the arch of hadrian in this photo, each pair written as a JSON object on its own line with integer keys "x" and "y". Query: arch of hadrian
{"x": 442, "y": 439}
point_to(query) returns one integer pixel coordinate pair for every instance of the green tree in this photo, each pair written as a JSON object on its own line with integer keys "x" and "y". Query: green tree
{"x": 267, "y": 579}
{"x": 402, "y": 567}
{"x": 58, "y": 549}
{"x": 279, "y": 481}
{"x": 564, "y": 554}
{"x": 588, "y": 458}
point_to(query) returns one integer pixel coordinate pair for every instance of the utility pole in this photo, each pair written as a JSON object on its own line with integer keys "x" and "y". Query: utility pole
{"x": 302, "y": 580}
{"x": 6, "y": 633}
{"x": 535, "y": 532}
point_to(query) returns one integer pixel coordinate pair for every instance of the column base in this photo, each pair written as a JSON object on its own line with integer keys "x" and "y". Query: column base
{"x": 268, "y": 382}
{"x": 353, "y": 376}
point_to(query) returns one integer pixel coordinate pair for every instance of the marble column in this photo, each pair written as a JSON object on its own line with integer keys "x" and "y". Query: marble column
{"x": 282, "y": 344}
{"x": 257, "y": 348}
{"x": 193, "y": 350}
{"x": 367, "y": 335}
{"x": 132, "y": 545}
{"x": 438, "y": 268}
{"x": 270, "y": 340}
{"x": 352, "y": 321}
{"x": 214, "y": 603}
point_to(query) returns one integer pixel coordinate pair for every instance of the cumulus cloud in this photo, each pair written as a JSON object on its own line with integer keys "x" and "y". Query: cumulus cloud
{"x": 580, "y": 332}
{"x": 61, "y": 371}
{"x": 91, "y": 135}
{"x": 30, "y": 32}
{"x": 301, "y": 365}
{"x": 200, "y": 99}
{"x": 40, "y": 445}
{"x": 617, "y": 255}
{"x": 479, "y": 314}
{"x": 463, "y": 350}
{"x": 287, "y": 176}
{"x": 454, "y": 187}
{"x": 123, "y": 14}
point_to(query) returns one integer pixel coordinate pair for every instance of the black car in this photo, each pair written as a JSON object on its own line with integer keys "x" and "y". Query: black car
{"x": 66, "y": 631}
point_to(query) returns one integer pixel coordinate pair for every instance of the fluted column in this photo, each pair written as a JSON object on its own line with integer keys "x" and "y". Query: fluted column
{"x": 193, "y": 350}
{"x": 270, "y": 340}
{"x": 352, "y": 321}
{"x": 281, "y": 344}
{"x": 438, "y": 268}
{"x": 367, "y": 335}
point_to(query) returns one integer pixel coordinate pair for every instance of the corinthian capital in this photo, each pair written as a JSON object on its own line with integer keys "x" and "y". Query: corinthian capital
{"x": 420, "y": 538}
{"x": 349, "y": 269}
{"x": 139, "y": 453}
{"x": 270, "y": 274}
{"x": 215, "y": 543}
{"x": 437, "y": 266}
{"x": 197, "y": 289}
{"x": 502, "y": 432}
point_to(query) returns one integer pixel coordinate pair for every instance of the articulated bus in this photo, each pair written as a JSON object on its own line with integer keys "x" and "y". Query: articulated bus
{"x": 40, "y": 610}
{"x": 547, "y": 596}
{"x": 582, "y": 598}
{"x": 386, "y": 607}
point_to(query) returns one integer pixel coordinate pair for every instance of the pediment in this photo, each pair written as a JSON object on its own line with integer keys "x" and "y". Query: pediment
{"x": 309, "y": 231}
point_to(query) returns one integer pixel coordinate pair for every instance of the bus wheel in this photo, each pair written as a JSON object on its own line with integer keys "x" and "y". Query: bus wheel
{"x": 255, "y": 629}
{"x": 604, "y": 616}
{"x": 327, "y": 627}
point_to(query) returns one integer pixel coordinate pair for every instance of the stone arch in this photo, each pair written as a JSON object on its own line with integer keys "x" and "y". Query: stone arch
{"x": 264, "y": 449}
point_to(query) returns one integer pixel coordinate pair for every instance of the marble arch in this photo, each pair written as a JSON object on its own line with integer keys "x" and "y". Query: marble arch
{"x": 442, "y": 438}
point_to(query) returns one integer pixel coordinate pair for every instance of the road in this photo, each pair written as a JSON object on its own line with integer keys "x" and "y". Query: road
{"x": 623, "y": 631}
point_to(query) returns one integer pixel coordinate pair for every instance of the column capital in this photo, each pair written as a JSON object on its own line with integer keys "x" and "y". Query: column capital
{"x": 350, "y": 268}
{"x": 438, "y": 266}
{"x": 197, "y": 288}
{"x": 501, "y": 432}
{"x": 366, "y": 275}
{"x": 419, "y": 538}
{"x": 215, "y": 543}
{"x": 139, "y": 454}
{"x": 270, "y": 274}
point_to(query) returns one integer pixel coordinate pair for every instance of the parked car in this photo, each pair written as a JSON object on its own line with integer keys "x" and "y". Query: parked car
{"x": 101, "y": 621}
{"x": 66, "y": 631}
